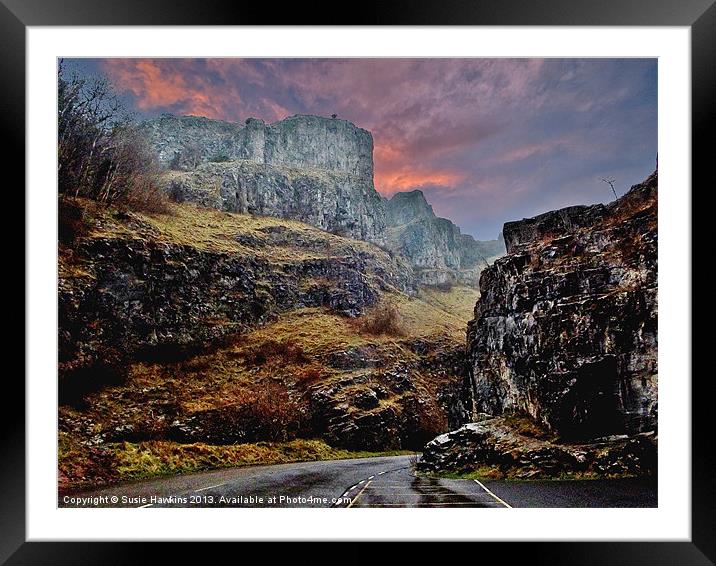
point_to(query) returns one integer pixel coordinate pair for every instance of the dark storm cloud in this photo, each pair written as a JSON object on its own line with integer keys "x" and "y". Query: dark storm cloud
{"x": 487, "y": 140}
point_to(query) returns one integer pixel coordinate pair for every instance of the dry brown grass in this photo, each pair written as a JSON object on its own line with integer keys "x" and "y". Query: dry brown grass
{"x": 283, "y": 351}
{"x": 151, "y": 459}
{"x": 80, "y": 466}
{"x": 383, "y": 319}
{"x": 270, "y": 410}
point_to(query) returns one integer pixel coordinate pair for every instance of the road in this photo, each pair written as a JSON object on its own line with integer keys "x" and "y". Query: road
{"x": 366, "y": 482}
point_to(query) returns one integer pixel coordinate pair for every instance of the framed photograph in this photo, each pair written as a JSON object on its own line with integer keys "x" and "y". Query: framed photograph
{"x": 416, "y": 266}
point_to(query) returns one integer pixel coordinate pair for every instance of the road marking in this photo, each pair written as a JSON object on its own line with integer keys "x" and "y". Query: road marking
{"x": 380, "y": 473}
{"x": 209, "y": 487}
{"x": 478, "y": 482}
{"x": 147, "y": 505}
{"x": 359, "y": 494}
{"x": 454, "y": 504}
{"x": 370, "y": 477}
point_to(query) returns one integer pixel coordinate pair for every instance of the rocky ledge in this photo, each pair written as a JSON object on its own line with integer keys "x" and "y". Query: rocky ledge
{"x": 512, "y": 447}
{"x": 334, "y": 201}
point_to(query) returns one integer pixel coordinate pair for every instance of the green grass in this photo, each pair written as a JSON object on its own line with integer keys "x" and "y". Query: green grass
{"x": 161, "y": 458}
{"x": 121, "y": 461}
{"x": 481, "y": 473}
{"x": 494, "y": 473}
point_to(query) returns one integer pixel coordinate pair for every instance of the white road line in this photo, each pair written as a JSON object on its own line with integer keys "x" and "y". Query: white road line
{"x": 370, "y": 477}
{"x": 351, "y": 488}
{"x": 380, "y": 473}
{"x": 359, "y": 494}
{"x": 455, "y": 504}
{"x": 209, "y": 487}
{"x": 478, "y": 482}
{"x": 147, "y": 505}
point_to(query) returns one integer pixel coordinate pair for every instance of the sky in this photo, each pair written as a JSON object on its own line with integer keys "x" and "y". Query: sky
{"x": 486, "y": 140}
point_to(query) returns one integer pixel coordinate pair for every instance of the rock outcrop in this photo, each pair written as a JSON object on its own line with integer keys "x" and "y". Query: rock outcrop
{"x": 308, "y": 168}
{"x": 435, "y": 246}
{"x": 383, "y": 402}
{"x": 312, "y": 142}
{"x": 373, "y": 401}
{"x": 565, "y": 329}
{"x": 499, "y": 447}
{"x": 333, "y": 201}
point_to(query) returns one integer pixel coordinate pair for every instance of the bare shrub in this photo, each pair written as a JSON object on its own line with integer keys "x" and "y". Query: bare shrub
{"x": 152, "y": 200}
{"x": 432, "y": 422}
{"x": 269, "y": 412}
{"x": 132, "y": 171}
{"x": 273, "y": 350}
{"x": 100, "y": 153}
{"x": 72, "y": 222}
{"x": 381, "y": 319}
{"x": 310, "y": 374}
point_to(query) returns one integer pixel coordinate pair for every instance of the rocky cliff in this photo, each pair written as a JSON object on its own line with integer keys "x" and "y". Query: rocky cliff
{"x": 566, "y": 326}
{"x": 435, "y": 246}
{"x": 308, "y": 168}
{"x": 565, "y": 333}
{"x": 316, "y": 170}
{"x": 313, "y": 142}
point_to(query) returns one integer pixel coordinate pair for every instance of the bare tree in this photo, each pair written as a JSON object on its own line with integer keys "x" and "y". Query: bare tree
{"x": 100, "y": 153}
{"x": 611, "y": 182}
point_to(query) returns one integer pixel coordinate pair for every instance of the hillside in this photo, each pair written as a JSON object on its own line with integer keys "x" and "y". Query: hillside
{"x": 195, "y": 331}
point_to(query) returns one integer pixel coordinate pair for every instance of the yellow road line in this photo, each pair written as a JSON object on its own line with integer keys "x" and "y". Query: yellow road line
{"x": 359, "y": 494}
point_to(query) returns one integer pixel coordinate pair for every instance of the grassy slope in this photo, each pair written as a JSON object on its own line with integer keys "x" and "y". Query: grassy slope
{"x": 214, "y": 230}
{"x": 231, "y": 374}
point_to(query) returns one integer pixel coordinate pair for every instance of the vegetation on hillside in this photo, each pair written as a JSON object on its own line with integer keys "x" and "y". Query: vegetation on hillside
{"x": 100, "y": 153}
{"x": 261, "y": 383}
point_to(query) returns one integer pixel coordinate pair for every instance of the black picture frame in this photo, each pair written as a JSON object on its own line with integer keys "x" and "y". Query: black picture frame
{"x": 699, "y": 15}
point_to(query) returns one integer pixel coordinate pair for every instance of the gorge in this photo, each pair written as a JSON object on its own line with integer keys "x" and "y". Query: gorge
{"x": 281, "y": 299}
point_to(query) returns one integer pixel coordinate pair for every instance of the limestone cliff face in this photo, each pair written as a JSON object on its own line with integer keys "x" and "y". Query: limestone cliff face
{"x": 566, "y": 326}
{"x": 312, "y": 142}
{"x": 308, "y": 168}
{"x": 329, "y": 200}
{"x": 435, "y": 246}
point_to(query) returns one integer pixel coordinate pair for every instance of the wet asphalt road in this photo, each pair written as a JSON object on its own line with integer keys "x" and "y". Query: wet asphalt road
{"x": 366, "y": 482}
